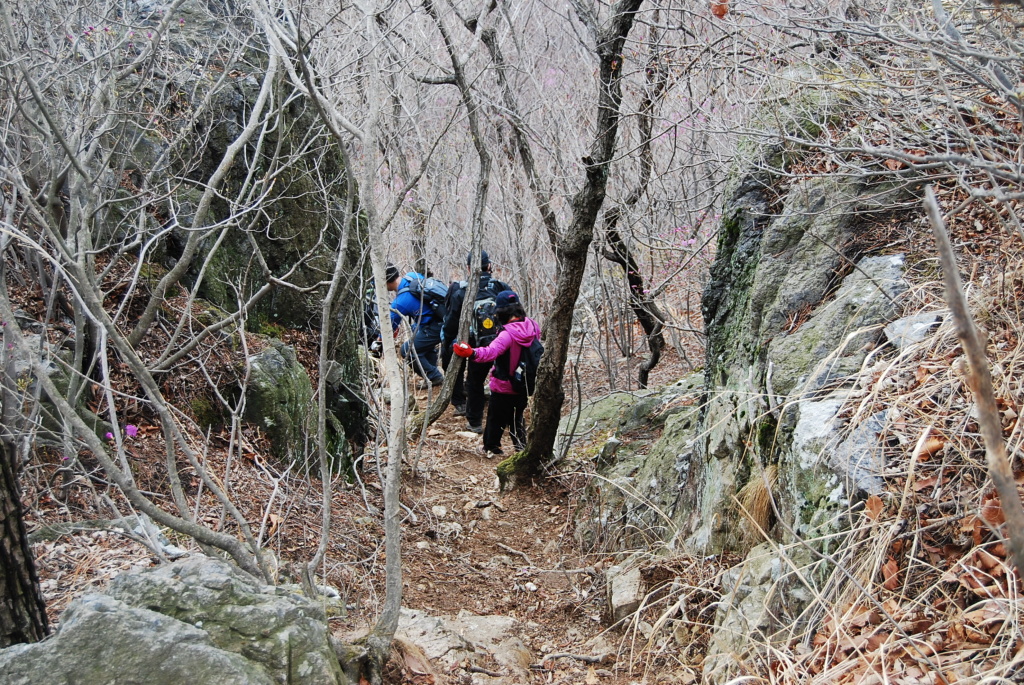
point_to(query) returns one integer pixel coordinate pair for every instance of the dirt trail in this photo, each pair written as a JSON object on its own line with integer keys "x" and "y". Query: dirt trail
{"x": 513, "y": 554}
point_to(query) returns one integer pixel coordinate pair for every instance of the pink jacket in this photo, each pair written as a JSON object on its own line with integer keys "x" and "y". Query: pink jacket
{"x": 520, "y": 332}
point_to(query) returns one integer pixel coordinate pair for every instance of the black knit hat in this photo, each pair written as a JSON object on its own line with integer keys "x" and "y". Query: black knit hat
{"x": 391, "y": 272}
{"x": 485, "y": 261}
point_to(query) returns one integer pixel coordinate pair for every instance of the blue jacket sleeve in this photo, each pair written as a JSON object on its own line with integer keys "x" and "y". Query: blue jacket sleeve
{"x": 408, "y": 305}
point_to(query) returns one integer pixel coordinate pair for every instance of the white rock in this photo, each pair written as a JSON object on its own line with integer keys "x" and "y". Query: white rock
{"x": 625, "y": 591}
{"x": 439, "y": 511}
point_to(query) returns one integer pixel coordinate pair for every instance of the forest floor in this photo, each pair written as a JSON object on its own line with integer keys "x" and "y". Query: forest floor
{"x": 466, "y": 546}
{"x": 469, "y": 548}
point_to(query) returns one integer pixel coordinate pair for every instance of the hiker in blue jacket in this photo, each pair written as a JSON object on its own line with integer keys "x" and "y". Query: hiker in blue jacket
{"x": 421, "y": 351}
{"x": 506, "y": 407}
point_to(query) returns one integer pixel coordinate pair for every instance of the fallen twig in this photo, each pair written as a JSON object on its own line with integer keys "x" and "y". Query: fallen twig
{"x": 516, "y": 551}
{"x": 579, "y": 657}
{"x": 481, "y": 669}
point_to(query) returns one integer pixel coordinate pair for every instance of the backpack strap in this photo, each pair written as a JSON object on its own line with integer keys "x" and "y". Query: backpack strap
{"x": 414, "y": 286}
{"x": 484, "y": 287}
{"x": 513, "y": 353}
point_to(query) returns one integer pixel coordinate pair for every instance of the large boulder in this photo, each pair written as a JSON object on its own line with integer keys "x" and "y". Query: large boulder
{"x": 293, "y": 167}
{"x": 282, "y": 631}
{"x": 279, "y": 222}
{"x": 101, "y": 640}
{"x": 279, "y": 399}
{"x": 199, "y": 620}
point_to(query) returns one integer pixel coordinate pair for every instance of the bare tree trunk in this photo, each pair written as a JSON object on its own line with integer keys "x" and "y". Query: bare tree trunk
{"x": 618, "y": 251}
{"x": 643, "y": 305}
{"x": 22, "y": 611}
{"x": 435, "y": 410}
{"x": 573, "y": 246}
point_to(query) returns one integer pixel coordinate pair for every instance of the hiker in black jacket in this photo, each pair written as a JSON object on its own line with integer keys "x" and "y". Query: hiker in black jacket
{"x": 469, "y": 399}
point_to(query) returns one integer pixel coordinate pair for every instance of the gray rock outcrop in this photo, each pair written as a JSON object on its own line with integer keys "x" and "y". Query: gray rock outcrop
{"x": 468, "y": 636}
{"x": 760, "y": 597}
{"x": 199, "y": 620}
{"x": 102, "y": 640}
{"x": 790, "y": 320}
{"x": 795, "y": 308}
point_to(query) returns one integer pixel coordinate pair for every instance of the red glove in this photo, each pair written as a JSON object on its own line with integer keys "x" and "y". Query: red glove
{"x": 463, "y": 350}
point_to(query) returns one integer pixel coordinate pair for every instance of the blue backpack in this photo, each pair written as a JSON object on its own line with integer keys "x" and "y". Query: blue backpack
{"x": 429, "y": 291}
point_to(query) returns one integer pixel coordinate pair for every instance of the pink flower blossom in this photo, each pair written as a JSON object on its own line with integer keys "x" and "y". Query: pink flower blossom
{"x": 131, "y": 431}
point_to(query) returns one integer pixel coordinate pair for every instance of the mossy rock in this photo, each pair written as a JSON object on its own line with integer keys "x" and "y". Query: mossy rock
{"x": 279, "y": 399}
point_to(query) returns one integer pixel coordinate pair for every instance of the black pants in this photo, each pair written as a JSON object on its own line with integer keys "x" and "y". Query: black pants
{"x": 469, "y": 386}
{"x": 505, "y": 411}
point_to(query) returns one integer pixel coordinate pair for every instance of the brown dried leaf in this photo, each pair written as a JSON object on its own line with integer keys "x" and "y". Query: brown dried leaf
{"x": 931, "y": 446}
{"x": 922, "y": 373}
{"x": 891, "y": 573}
{"x": 864, "y": 617}
{"x": 877, "y": 640}
{"x": 275, "y": 522}
{"x": 873, "y": 507}
{"x": 987, "y": 562}
{"x": 414, "y": 658}
{"x": 719, "y": 8}
{"x": 992, "y": 511}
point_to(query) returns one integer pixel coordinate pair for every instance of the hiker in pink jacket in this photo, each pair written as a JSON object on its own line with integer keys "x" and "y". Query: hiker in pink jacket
{"x": 506, "y": 407}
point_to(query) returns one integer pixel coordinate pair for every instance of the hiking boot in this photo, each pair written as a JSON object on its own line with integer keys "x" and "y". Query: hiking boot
{"x": 423, "y": 385}
{"x": 478, "y": 429}
{"x": 491, "y": 451}
{"x": 460, "y": 409}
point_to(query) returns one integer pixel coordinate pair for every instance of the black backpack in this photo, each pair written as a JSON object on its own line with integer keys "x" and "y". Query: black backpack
{"x": 484, "y": 326}
{"x": 430, "y": 292}
{"x": 524, "y": 377}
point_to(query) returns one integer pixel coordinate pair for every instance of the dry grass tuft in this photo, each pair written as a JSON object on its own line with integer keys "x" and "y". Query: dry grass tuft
{"x": 755, "y": 500}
